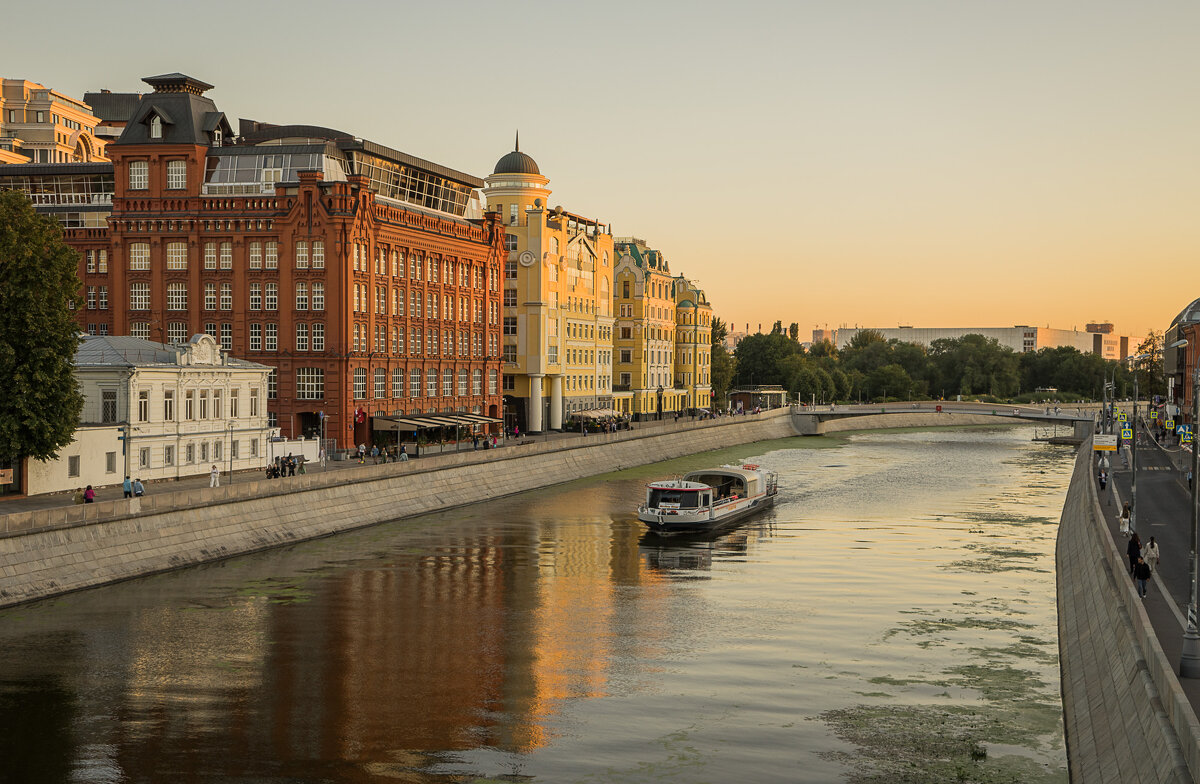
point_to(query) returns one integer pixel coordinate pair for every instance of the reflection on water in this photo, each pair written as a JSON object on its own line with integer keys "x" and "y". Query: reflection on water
{"x": 893, "y": 612}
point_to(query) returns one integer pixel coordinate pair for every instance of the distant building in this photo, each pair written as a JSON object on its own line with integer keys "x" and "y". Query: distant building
{"x": 819, "y": 335}
{"x": 157, "y": 411}
{"x": 1019, "y": 338}
{"x": 40, "y": 125}
{"x": 765, "y": 396}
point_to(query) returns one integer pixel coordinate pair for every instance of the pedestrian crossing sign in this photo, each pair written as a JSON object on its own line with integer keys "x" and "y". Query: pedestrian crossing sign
{"x": 1169, "y": 424}
{"x": 1154, "y": 415}
{"x": 1127, "y": 433}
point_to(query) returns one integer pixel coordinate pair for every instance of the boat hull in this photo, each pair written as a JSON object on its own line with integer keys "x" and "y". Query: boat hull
{"x": 661, "y": 522}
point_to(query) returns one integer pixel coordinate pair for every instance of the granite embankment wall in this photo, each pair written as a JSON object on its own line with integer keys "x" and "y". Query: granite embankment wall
{"x": 49, "y": 552}
{"x": 915, "y": 419}
{"x": 1127, "y": 720}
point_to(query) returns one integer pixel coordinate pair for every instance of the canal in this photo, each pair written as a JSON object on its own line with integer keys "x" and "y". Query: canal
{"x": 892, "y": 619}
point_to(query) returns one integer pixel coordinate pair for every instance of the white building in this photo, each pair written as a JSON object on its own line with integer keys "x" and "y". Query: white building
{"x": 1098, "y": 339}
{"x": 157, "y": 411}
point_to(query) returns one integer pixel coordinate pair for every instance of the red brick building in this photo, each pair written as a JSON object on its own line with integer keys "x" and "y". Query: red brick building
{"x": 369, "y": 278}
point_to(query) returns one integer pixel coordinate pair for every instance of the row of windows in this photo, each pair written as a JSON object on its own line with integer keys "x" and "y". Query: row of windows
{"x": 423, "y": 304}
{"x": 471, "y": 380}
{"x": 433, "y": 270}
{"x": 449, "y": 342}
{"x": 196, "y": 404}
{"x": 139, "y": 175}
{"x": 197, "y": 452}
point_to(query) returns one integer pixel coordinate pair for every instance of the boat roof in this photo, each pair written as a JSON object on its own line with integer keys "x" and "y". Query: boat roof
{"x": 733, "y": 471}
{"x": 678, "y": 484}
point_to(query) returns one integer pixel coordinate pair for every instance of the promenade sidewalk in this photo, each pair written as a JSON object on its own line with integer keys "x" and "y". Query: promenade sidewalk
{"x": 1164, "y": 512}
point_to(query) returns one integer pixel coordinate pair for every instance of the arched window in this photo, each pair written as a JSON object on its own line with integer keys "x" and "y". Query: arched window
{"x": 156, "y": 127}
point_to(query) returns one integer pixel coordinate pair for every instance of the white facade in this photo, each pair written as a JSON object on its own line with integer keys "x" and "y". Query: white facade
{"x": 181, "y": 409}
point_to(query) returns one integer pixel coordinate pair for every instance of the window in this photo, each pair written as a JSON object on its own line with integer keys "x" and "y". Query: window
{"x": 380, "y": 383}
{"x": 626, "y": 356}
{"x": 139, "y": 175}
{"x": 139, "y": 298}
{"x": 176, "y": 255}
{"x": 510, "y": 325}
{"x": 301, "y": 255}
{"x": 271, "y": 259}
{"x": 397, "y": 382}
{"x": 256, "y": 297}
{"x": 73, "y": 465}
{"x": 302, "y": 337}
{"x": 233, "y": 449}
{"x": 462, "y": 382}
{"x": 255, "y": 255}
{"x": 156, "y": 127}
{"x": 431, "y": 379}
{"x": 414, "y": 383}
{"x": 318, "y": 337}
{"x": 176, "y": 175}
{"x": 210, "y": 255}
{"x": 310, "y": 384}
{"x": 143, "y": 407}
{"x": 108, "y": 405}
{"x": 139, "y": 256}
{"x": 226, "y": 255}
{"x": 91, "y": 298}
{"x": 272, "y": 385}
{"x": 318, "y": 254}
{"x": 203, "y": 404}
{"x": 110, "y": 462}
{"x": 447, "y": 382}
{"x": 272, "y": 296}
{"x": 227, "y": 336}
{"x": 177, "y": 332}
{"x": 176, "y": 296}
{"x": 210, "y": 296}
{"x": 477, "y": 382}
{"x": 234, "y": 400}
{"x": 360, "y": 383}
{"x": 204, "y": 452}
{"x": 272, "y": 338}
{"x": 510, "y": 298}
{"x": 191, "y": 453}
{"x": 189, "y": 404}
{"x": 169, "y": 455}
{"x": 318, "y": 295}
{"x": 226, "y": 296}
{"x": 302, "y": 296}
{"x": 253, "y": 402}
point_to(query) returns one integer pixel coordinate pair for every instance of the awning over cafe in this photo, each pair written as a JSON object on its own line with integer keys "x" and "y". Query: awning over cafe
{"x": 418, "y": 422}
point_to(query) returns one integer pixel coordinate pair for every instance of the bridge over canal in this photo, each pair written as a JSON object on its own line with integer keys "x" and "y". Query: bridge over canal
{"x": 1077, "y": 422}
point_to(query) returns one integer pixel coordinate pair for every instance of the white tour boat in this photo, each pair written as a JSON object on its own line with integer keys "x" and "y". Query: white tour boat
{"x": 708, "y": 499}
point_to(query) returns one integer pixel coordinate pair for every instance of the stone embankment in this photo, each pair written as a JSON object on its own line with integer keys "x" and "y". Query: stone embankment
{"x": 53, "y": 551}
{"x": 1127, "y": 719}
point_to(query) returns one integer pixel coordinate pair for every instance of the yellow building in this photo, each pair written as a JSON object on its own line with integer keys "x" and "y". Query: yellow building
{"x": 39, "y": 125}
{"x": 661, "y": 345}
{"x": 693, "y": 343}
{"x": 558, "y": 328}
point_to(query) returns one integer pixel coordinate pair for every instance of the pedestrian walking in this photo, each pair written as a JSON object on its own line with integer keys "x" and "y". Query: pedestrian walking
{"x": 89, "y": 495}
{"x": 214, "y": 477}
{"x": 403, "y": 454}
{"x": 1134, "y": 551}
{"x": 139, "y": 489}
{"x": 362, "y": 454}
{"x": 1150, "y": 553}
{"x": 78, "y": 495}
{"x": 375, "y": 454}
{"x": 1125, "y": 514}
{"x": 322, "y": 456}
{"x": 1102, "y": 478}
{"x": 1141, "y": 573}
{"x": 127, "y": 486}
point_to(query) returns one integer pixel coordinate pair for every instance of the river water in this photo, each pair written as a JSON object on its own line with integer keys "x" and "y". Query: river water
{"x": 892, "y": 619}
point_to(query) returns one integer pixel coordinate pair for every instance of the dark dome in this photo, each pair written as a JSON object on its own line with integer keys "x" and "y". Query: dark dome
{"x": 516, "y": 162}
{"x": 1189, "y": 315}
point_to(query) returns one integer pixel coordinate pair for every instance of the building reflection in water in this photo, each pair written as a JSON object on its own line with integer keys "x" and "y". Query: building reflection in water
{"x": 468, "y": 636}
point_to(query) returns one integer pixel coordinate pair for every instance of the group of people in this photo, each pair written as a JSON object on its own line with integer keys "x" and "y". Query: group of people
{"x": 1142, "y": 561}
{"x": 380, "y": 455}
{"x": 283, "y": 466}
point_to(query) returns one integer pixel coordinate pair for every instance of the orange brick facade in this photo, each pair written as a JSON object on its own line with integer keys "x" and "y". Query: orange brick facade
{"x": 404, "y": 294}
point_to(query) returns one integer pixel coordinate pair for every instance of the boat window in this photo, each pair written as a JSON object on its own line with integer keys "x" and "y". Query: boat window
{"x": 674, "y": 498}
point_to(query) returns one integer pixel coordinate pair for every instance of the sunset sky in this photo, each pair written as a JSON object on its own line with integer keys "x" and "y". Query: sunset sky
{"x": 942, "y": 163}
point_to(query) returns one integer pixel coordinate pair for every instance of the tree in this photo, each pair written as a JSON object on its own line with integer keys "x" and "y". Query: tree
{"x": 1151, "y": 380}
{"x": 721, "y": 361}
{"x": 40, "y": 407}
{"x": 794, "y": 331}
{"x": 777, "y": 328}
{"x": 760, "y": 358}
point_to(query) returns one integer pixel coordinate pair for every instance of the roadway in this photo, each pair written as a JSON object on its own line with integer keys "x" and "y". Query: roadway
{"x": 1164, "y": 512}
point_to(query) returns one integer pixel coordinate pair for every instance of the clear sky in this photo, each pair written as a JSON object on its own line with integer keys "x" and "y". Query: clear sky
{"x": 874, "y": 163}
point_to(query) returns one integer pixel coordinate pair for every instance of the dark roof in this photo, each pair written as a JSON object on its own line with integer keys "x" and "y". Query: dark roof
{"x": 113, "y": 107}
{"x": 1189, "y": 315}
{"x": 28, "y": 169}
{"x": 177, "y": 82}
{"x": 189, "y": 119}
{"x": 516, "y": 162}
{"x": 254, "y": 132}
{"x": 126, "y": 351}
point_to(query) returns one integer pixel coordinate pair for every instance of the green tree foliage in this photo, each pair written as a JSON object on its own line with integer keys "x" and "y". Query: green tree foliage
{"x": 974, "y": 365}
{"x": 761, "y": 358}
{"x": 722, "y": 364}
{"x": 41, "y": 403}
{"x": 1151, "y": 380}
{"x": 777, "y": 328}
{"x": 794, "y": 331}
